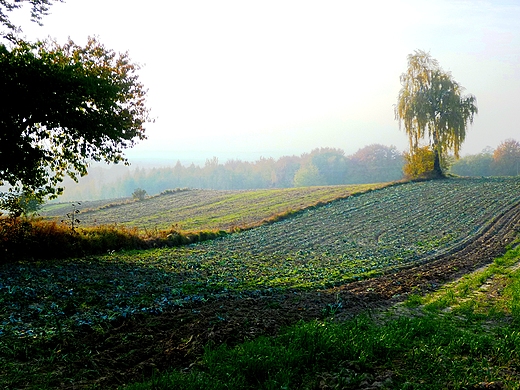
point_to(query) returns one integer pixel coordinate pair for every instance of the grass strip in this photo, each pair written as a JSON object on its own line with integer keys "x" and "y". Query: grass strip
{"x": 34, "y": 239}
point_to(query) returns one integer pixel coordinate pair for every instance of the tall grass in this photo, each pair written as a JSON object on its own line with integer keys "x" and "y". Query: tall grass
{"x": 32, "y": 239}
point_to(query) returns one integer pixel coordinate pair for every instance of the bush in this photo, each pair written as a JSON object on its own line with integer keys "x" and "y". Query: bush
{"x": 17, "y": 204}
{"x": 139, "y": 194}
{"x": 419, "y": 164}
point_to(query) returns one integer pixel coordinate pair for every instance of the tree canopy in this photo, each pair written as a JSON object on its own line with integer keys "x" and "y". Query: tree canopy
{"x": 63, "y": 107}
{"x": 506, "y": 158}
{"x": 431, "y": 105}
{"x": 502, "y": 161}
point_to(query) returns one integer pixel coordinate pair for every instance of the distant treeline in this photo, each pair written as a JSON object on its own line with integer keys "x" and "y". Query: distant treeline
{"x": 502, "y": 161}
{"x": 323, "y": 166}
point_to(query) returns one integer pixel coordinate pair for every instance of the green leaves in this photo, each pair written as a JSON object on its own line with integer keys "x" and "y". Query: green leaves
{"x": 321, "y": 247}
{"x": 67, "y": 105}
{"x": 431, "y": 105}
{"x": 39, "y": 9}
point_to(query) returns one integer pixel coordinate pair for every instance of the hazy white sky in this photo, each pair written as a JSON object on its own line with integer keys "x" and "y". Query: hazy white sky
{"x": 244, "y": 79}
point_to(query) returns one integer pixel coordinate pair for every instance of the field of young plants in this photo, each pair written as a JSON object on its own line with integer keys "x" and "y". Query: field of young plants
{"x": 343, "y": 241}
{"x": 192, "y": 209}
{"x": 337, "y": 243}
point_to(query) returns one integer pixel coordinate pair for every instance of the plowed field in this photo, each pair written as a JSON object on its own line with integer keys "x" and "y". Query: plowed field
{"x": 195, "y": 209}
{"x": 366, "y": 251}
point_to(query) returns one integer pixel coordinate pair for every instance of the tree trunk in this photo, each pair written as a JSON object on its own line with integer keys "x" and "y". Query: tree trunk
{"x": 437, "y": 170}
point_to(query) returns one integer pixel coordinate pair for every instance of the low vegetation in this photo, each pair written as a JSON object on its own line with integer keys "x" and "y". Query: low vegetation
{"x": 63, "y": 321}
{"x": 202, "y": 215}
{"x": 35, "y": 240}
{"x": 473, "y": 345}
{"x": 192, "y": 210}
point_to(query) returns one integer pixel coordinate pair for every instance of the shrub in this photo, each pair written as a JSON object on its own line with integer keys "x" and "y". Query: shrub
{"x": 17, "y": 204}
{"x": 419, "y": 164}
{"x": 139, "y": 194}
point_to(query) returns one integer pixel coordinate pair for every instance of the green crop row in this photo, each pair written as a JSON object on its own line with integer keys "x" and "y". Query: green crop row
{"x": 330, "y": 245}
{"x": 192, "y": 210}
{"x": 474, "y": 346}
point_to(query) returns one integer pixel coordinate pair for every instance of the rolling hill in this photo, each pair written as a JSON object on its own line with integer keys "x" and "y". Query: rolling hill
{"x": 194, "y": 209}
{"x": 160, "y": 307}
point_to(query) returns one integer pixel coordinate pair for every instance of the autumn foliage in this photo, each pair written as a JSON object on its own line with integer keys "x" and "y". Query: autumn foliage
{"x": 506, "y": 158}
{"x": 35, "y": 239}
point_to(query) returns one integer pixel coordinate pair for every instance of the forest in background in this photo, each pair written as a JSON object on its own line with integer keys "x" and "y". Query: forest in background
{"x": 322, "y": 166}
{"x": 502, "y": 161}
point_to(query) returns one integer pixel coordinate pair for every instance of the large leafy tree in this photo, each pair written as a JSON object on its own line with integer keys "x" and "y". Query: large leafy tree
{"x": 63, "y": 107}
{"x": 506, "y": 158}
{"x": 375, "y": 163}
{"x": 331, "y": 164}
{"x": 308, "y": 175}
{"x": 431, "y": 105}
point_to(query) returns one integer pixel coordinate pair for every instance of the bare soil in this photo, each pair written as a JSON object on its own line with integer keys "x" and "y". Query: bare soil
{"x": 136, "y": 348}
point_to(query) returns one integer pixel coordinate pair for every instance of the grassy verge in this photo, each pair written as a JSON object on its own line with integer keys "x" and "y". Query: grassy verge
{"x": 488, "y": 293}
{"x": 465, "y": 336}
{"x": 36, "y": 239}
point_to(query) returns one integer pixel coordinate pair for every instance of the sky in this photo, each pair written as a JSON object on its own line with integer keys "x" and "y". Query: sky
{"x": 249, "y": 79}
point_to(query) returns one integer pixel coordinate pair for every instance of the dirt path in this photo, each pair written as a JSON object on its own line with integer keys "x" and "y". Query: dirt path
{"x": 139, "y": 346}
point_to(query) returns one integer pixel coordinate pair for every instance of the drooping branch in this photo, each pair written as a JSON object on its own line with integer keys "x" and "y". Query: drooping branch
{"x": 430, "y": 106}
{"x": 39, "y": 8}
